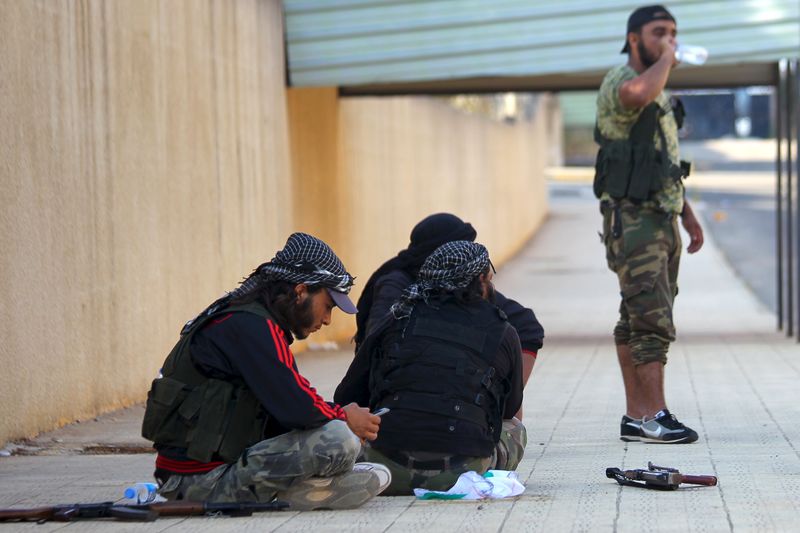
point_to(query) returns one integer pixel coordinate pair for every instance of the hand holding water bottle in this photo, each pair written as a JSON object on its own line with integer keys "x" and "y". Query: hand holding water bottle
{"x": 691, "y": 54}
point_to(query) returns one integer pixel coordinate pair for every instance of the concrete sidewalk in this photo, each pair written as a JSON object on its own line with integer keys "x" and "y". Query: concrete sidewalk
{"x": 730, "y": 377}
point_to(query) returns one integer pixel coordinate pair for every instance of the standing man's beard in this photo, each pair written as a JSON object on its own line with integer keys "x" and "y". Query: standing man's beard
{"x": 645, "y": 57}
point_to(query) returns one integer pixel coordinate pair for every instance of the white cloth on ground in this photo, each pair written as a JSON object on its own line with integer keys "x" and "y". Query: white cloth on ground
{"x": 472, "y": 486}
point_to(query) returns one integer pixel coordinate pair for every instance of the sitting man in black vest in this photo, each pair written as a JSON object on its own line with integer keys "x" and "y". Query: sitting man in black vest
{"x": 231, "y": 416}
{"x": 387, "y": 283}
{"x": 447, "y": 365}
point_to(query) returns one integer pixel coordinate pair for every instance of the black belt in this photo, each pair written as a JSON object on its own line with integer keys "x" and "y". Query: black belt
{"x": 403, "y": 459}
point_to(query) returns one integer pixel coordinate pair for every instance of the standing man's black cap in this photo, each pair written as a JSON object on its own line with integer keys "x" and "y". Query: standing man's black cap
{"x": 642, "y": 16}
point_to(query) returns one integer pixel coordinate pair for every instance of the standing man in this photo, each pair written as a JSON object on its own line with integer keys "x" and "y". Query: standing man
{"x": 639, "y": 182}
{"x": 233, "y": 419}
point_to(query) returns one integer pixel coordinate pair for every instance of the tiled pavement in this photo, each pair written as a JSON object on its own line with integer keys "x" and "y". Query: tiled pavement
{"x": 730, "y": 376}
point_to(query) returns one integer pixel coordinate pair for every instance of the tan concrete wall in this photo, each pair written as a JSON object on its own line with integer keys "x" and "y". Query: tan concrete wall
{"x": 145, "y": 168}
{"x": 396, "y": 160}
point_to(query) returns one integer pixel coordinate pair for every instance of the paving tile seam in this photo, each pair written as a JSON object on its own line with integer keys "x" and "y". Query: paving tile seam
{"x": 756, "y": 392}
{"x": 711, "y": 458}
{"x": 400, "y": 514}
{"x": 620, "y": 493}
{"x": 700, "y": 415}
{"x": 794, "y": 364}
{"x": 737, "y": 358}
{"x": 567, "y": 404}
{"x": 175, "y": 523}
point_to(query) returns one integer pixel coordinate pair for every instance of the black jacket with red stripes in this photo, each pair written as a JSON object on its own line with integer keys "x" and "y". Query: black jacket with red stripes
{"x": 257, "y": 350}
{"x": 245, "y": 346}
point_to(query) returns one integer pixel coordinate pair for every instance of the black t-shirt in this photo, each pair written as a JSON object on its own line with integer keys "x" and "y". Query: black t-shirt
{"x": 389, "y": 287}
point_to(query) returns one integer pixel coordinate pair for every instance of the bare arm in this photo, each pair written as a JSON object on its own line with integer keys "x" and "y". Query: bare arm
{"x": 644, "y": 88}
{"x": 528, "y": 360}
{"x": 692, "y": 227}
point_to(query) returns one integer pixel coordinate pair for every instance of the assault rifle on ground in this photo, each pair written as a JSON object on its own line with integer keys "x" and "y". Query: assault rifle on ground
{"x": 141, "y": 513}
{"x": 657, "y": 477}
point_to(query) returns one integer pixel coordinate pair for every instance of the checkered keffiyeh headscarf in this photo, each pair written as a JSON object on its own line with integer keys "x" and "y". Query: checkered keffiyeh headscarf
{"x": 451, "y": 266}
{"x": 304, "y": 259}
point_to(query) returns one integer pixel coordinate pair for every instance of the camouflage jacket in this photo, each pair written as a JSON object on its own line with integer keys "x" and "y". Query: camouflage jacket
{"x": 615, "y": 122}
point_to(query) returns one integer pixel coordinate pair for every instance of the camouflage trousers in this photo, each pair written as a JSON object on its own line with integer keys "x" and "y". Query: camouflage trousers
{"x": 272, "y": 467}
{"x": 643, "y": 247}
{"x": 406, "y": 475}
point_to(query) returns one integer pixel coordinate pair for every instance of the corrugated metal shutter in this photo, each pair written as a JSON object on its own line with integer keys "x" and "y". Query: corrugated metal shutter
{"x": 449, "y": 42}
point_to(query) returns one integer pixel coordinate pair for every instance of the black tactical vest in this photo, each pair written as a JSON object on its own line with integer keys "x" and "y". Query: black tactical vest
{"x": 632, "y": 168}
{"x": 438, "y": 363}
{"x": 211, "y": 418}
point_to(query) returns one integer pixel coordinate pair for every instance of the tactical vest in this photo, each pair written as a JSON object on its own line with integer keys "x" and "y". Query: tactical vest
{"x": 632, "y": 168}
{"x": 439, "y": 364}
{"x": 210, "y": 418}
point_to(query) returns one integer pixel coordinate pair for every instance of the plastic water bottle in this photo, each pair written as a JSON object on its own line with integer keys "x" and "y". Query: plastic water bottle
{"x": 140, "y": 493}
{"x": 693, "y": 55}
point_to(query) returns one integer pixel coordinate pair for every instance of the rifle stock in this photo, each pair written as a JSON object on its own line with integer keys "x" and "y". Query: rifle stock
{"x": 142, "y": 513}
{"x": 187, "y": 508}
{"x": 37, "y": 514}
{"x": 708, "y": 481}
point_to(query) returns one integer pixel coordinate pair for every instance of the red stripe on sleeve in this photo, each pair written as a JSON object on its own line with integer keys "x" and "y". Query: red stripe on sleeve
{"x": 287, "y": 358}
{"x": 321, "y": 404}
{"x": 528, "y": 352}
{"x": 277, "y": 338}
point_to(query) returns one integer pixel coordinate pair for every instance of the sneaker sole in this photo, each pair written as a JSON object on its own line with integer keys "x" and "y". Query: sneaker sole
{"x": 629, "y": 438}
{"x": 347, "y": 491}
{"x": 682, "y": 440}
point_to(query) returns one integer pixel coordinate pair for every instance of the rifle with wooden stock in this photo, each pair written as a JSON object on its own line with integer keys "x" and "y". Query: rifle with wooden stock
{"x": 657, "y": 477}
{"x": 136, "y": 512}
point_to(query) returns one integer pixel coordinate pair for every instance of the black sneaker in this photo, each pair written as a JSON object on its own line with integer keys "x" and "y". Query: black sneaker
{"x": 630, "y": 429}
{"x": 665, "y": 428}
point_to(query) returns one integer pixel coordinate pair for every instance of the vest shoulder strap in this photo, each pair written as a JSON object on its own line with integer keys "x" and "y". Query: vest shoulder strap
{"x": 642, "y": 130}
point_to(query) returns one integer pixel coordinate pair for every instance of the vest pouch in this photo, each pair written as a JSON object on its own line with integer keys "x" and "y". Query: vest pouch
{"x": 245, "y": 427}
{"x": 600, "y": 173}
{"x": 210, "y": 401}
{"x": 647, "y": 172}
{"x": 616, "y": 164}
{"x": 163, "y": 400}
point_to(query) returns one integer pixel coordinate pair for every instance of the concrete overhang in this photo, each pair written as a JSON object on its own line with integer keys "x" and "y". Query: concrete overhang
{"x": 712, "y": 76}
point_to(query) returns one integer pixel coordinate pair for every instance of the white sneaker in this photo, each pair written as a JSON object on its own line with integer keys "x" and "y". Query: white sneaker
{"x": 383, "y": 474}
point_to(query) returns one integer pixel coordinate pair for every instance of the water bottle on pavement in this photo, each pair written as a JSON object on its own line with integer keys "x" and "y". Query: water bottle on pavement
{"x": 140, "y": 493}
{"x": 693, "y": 55}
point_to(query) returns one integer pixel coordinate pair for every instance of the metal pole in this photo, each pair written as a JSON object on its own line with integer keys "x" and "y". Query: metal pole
{"x": 795, "y": 111}
{"x": 779, "y": 191}
{"x": 789, "y": 211}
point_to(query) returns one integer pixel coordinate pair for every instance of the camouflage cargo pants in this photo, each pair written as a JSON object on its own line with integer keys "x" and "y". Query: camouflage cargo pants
{"x": 437, "y": 471}
{"x": 645, "y": 254}
{"x": 273, "y": 467}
